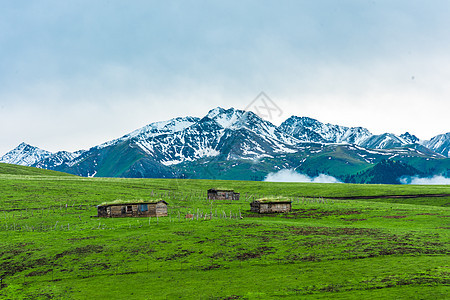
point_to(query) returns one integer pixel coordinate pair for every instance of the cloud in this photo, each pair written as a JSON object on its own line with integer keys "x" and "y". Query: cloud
{"x": 289, "y": 175}
{"x": 116, "y": 68}
{"x": 436, "y": 179}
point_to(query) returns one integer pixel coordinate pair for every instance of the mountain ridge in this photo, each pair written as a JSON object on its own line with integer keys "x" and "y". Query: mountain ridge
{"x": 160, "y": 148}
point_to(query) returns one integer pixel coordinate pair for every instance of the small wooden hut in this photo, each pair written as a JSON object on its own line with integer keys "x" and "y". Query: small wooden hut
{"x": 220, "y": 194}
{"x": 271, "y": 205}
{"x": 118, "y": 209}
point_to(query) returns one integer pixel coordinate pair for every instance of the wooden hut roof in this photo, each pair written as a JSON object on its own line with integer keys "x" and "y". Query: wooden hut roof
{"x": 132, "y": 202}
{"x": 273, "y": 200}
{"x": 221, "y": 190}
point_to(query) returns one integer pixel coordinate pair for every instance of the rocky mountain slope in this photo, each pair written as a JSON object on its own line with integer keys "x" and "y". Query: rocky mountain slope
{"x": 182, "y": 147}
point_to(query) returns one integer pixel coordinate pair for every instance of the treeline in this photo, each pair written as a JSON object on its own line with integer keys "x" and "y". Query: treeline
{"x": 385, "y": 172}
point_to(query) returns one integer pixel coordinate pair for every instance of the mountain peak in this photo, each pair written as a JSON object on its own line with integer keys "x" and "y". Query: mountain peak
{"x": 25, "y": 154}
{"x": 220, "y": 111}
{"x": 225, "y": 117}
{"x": 23, "y": 144}
{"x": 409, "y": 138}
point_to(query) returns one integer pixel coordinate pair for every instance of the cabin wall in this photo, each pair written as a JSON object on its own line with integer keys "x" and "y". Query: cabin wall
{"x": 265, "y": 208}
{"x": 161, "y": 210}
{"x": 254, "y": 207}
{"x": 133, "y": 210}
{"x": 102, "y": 211}
{"x": 223, "y": 195}
{"x": 279, "y": 207}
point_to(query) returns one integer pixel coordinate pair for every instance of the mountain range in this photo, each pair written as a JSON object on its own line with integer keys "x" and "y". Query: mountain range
{"x": 237, "y": 144}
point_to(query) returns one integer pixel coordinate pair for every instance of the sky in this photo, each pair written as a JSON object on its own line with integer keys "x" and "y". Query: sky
{"x": 75, "y": 74}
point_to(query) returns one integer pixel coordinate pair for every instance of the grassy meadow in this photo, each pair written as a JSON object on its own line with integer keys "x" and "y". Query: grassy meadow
{"x": 54, "y": 247}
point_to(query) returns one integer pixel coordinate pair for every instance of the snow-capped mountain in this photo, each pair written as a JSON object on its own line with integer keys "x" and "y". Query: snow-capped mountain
{"x": 409, "y": 138}
{"x": 170, "y": 148}
{"x": 310, "y": 130}
{"x": 383, "y": 141}
{"x": 25, "y": 155}
{"x": 439, "y": 144}
{"x": 57, "y": 159}
{"x": 230, "y": 133}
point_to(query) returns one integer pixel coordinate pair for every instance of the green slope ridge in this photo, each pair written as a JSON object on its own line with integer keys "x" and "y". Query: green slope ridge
{"x": 22, "y": 170}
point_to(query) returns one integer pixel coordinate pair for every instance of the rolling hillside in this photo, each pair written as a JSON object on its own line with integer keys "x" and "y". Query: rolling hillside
{"x": 9, "y": 169}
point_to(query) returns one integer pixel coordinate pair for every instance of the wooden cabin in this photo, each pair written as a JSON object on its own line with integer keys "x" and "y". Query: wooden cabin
{"x": 218, "y": 194}
{"x": 133, "y": 209}
{"x": 267, "y": 206}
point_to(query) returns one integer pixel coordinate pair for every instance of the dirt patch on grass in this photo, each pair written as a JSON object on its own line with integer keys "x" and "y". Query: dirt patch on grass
{"x": 38, "y": 273}
{"x": 297, "y": 257}
{"x": 217, "y": 254}
{"x": 210, "y": 267}
{"x": 257, "y": 253}
{"x": 81, "y": 251}
{"x": 230, "y": 297}
{"x": 14, "y": 250}
{"x": 249, "y": 225}
{"x": 180, "y": 254}
{"x": 329, "y": 231}
{"x": 182, "y": 233}
{"x": 11, "y": 267}
{"x": 427, "y": 214}
{"x": 316, "y": 213}
{"x": 95, "y": 265}
{"x": 394, "y": 217}
{"x": 82, "y": 238}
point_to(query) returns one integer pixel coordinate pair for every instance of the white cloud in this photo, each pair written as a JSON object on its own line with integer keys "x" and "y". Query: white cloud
{"x": 289, "y": 175}
{"x": 436, "y": 179}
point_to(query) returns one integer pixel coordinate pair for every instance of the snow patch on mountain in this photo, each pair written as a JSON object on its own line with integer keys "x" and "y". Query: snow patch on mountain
{"x": 439, "y": 144}
{"x": 310, "y": 130}
{"x": 58, "y": 159}
{"x": 25, "y": 155}
{"x": 155, "y": 129}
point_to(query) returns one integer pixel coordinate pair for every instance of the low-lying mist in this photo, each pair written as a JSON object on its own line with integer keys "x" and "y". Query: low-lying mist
{"x": 436, "y": 179}
{"x": 290, "y": 175}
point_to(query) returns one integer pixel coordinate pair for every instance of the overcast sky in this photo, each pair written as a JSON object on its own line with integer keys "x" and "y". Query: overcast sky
{"x": 74, "y": 74}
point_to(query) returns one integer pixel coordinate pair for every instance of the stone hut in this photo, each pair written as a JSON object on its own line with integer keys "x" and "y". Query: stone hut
{"x": 157, "y": 208}
{"x": 219, "y": 194}
{"x": 267, "y": 206}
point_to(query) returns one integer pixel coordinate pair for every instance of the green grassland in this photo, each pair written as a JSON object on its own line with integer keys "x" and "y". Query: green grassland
{"x": 53, "y": 246}
{"x": 22, "y": 170}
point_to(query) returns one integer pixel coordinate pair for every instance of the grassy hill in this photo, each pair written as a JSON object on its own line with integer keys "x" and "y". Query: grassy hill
{"x": 385, "y": 248}
{"x": 22, "y": 170}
